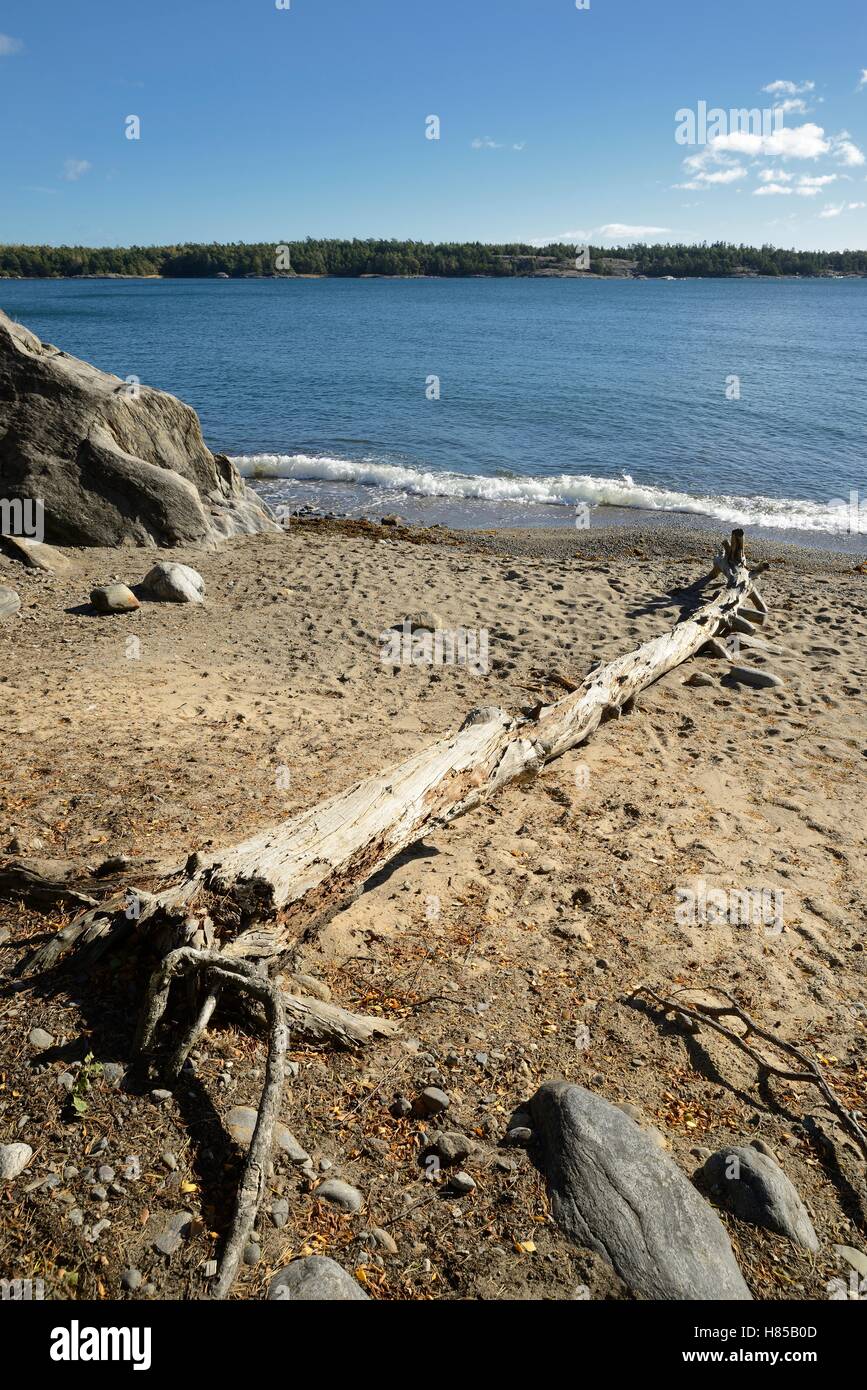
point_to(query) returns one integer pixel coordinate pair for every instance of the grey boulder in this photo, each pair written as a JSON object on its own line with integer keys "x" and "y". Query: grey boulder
{"x": 315, "y": 1279}
{"x": 113, "y": 462}
{"x": 172, "y": 583}
{"x": 614, "y": 1191}
{"x": 752, "y": 1186}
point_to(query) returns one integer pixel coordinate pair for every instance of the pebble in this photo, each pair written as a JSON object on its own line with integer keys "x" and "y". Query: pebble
{"x": 160, "y": 1097}
{"x": 114, "y": 598}
{"x": 252, "y": 1253}
{"x": 132, "y": 1279}
{"x": 519, "y": 1135}
{"x": 340, "y": 1194}
{"x": 40, "y": 1039}
{"x": 113, "y": 1073}
{"x": 856, "y": 1258}
{"x": 14, "y": 1158}
{"x": 384, "y": 1240}
{"x": 106, "y": 1173}
{"x": 169, "y": 1159}
{"x": 431, "y": 1101}
{"x": 450, "y": 1147}
{"x": 462, "y": 1183}
{"x": 280, "y": 1212}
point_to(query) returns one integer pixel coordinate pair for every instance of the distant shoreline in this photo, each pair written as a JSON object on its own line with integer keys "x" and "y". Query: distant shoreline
{"x": 369, "y": 275}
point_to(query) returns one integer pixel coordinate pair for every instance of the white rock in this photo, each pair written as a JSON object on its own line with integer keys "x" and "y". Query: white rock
{"x": 174, "y": 583}
{"x": 14, "y": 1158}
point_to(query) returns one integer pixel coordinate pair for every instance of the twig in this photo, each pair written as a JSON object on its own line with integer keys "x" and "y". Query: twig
{"x": 812, "y": 1073}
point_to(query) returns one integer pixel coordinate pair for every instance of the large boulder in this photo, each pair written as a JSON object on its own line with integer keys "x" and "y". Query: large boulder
{"x": 113, "y": 463}
{"x": 613, "y": 1190}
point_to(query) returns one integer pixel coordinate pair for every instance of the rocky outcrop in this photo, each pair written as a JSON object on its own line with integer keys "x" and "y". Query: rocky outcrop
{"x": 613, "y": 1190}
{"x": 114, "y": 463}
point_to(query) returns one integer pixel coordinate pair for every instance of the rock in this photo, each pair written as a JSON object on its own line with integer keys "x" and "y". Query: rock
{"x": 384, "y": 1240}
{"x": 614, "y": 1191}
{"x": 856, "y": 1258}
{"x": 462, "y": 1184}
{"x": 431, "y": 1101}
{"x": 280, "y": 1212}
{"x": 114, "y": 598}
{"x": 340, "y": 1194}
{"x": 41, "y": 1040}
{"x": 424, "y": 621}
{"x": 754, "y": 1187}
{"x": 35, "y": 555}
{"x": 699, "y": 678}
{"x": 751, "y": 675}
{"x": 315, "y": 1279}
{"x": 9, "y": 602}
{"x": 519, "y": 1135}
{"x": 170, "y": 583}
{"x": 252, "y": 1253}
{"x": 401, "y": 1108}
{"x": 241, "y": 1121}
{"x": 113, "y": 1073}
{"x": 131, "y": 1279}
{"x": 14, "y": 1158}
{"x": 160, "y": 1096}
{"x": 113, "y": 462}
{"x": 450, "y": 1147}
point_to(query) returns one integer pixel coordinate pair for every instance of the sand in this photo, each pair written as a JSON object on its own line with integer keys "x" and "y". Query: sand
{"x": 507, "y": 943}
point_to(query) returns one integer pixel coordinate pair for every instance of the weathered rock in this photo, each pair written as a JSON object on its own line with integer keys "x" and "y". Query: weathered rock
{"x": 424, "y": 622}
{"x": 9, "y": 602}
{"x": 614, "y": 1191}
{"x": 315, "y": 1279}
{"x": 114, "y": 598}
{"x": 752, "y": 1186}
{"x": 39, "y": 1039}
{"x": 450, "y": 1147}
{"x": 174, "y": 583}
{"x": 112, "y": 461}
{"x": 340, "y": 1194}
{"x": 462, "y": 1184}
{"x": 14, "y": 1158}
{"x": 431, "y": 1101}
{"x": 35, "y": 555}
{"x": 751, "y": 675}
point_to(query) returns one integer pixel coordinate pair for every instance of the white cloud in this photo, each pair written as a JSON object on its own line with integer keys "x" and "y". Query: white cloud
{"x": 484, "y": 142}
{"x": 792, "y": 106}
{"x": 74, "y": 168}
{"x": 8, "y": 46}
{"x": 614, "y": 231}
{"x": 707, "y": 179}
{"x": 809, "y": 187}
{"x": 771, "y": 190}
{"x": 775, "y": 176}
{"x": 845, "y": 150}
{"x": 862, "y": 81}
{"x": 791, "y": 89}
{"x": 522, "y": 145}
{"x": 790, "y": 142}
{"x": 835, "y": 209}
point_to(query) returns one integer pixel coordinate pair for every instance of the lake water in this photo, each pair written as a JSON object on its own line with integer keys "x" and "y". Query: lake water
{"x": 506, "y": 402}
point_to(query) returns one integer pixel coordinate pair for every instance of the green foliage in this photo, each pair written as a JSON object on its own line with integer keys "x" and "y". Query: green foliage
{"x": 408, "y": 258}
{"x": 89, "y": 1071}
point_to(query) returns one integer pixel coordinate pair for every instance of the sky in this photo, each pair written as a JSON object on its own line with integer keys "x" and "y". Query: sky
{"x": 272, "y": 120}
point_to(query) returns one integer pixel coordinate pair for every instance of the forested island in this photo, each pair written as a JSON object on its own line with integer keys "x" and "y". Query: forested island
{"x": 413, "y": 258}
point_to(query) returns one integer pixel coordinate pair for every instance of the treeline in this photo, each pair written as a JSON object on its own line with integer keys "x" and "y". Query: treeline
{"x": 408, "y": 258}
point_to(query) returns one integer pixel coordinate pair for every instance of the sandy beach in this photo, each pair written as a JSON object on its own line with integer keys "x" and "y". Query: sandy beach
{"x": 506, "y": 945}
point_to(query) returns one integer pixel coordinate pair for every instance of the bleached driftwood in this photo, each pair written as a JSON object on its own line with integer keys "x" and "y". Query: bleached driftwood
{"x": 296, "y": 875}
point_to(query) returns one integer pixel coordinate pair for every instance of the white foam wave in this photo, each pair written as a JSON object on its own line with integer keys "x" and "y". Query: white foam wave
{"x": 562, "y": 489}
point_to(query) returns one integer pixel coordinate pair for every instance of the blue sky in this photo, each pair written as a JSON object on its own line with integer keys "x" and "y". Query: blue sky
{"x": 259, "y": 123}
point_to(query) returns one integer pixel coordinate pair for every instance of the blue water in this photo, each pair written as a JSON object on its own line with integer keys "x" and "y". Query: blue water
{"x": 552, "y": 393}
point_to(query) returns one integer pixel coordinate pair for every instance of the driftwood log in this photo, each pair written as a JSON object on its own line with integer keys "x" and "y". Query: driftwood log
{"x": 237, "y": 912}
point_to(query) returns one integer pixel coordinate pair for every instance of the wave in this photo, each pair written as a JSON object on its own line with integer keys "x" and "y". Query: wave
{"x": 561, "y": 489}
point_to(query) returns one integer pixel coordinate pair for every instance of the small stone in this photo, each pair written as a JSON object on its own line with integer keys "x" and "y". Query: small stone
{"x": 450, "y": 1147}
{"x": 41, "y": 1040}
{"x": 161, "y": 1097}
{"x": 252, "y": 1253}
{"x": 548, "y": 866}
{"x": 114, "y": 598}
{"x": 132, "y": 1279}
{"x": 241, "y": 1122}
{"x": 384, "y": 1240}
{"x": 751, "y": 675}
{"x": 14, "y": 1158}
{"x": 519, "y": 1135}
{"x": 172, "y": 583}
{"x": 9, "y": 602}
{"x": 699, "y": 678}
{"x": 340, "y": 1194}
{"x": 169, "y": 1159}
{"x": 431, "y": 1101}
{"x": 167, "y": 1242}
{"x": 99, "y": 1193}
{"x": 76, "y": 1216}
{"x": 106, "y": 1173}
{"x": 315, "y": 1279}
{"x": 401, "y": 1108}
{"x": 462, "y": 1183}
{"x": 98, "y": 1229}
{"x": 856, "y": 1258}
{"x": 113, "y": 1073}
{"x": 280, "y": 1212}
{"x": 424, "y": 621}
